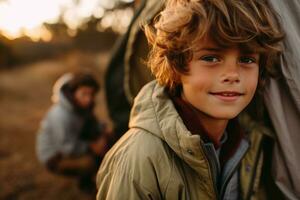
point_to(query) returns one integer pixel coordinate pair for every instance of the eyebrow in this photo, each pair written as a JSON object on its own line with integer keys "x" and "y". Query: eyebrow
{"x": 248, "y": 52}
{"x": 218, "y": 49}
{"x": 212, "y": 49}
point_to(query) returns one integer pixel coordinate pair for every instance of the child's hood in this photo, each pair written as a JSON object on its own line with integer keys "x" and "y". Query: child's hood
{"x": 57, "y": 93}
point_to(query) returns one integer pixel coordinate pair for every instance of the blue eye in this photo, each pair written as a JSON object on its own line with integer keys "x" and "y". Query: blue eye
{"x": 247, "y": 60}
{"x": 209, "y": 58}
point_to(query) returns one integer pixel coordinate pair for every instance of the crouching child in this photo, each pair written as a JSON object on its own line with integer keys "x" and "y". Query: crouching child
{"x": 71, "y": 141}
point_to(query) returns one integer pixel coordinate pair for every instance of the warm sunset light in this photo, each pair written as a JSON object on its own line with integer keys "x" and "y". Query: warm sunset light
{"x": 19, "y": 17}
{"x": 26, "y": 17}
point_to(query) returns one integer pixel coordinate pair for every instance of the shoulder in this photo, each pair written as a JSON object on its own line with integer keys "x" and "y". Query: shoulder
{"x": 137, "y": 146}
{"x": 59, "y": 113}
{"x": 59, "y": 118}
{"x": 138, "y": 154}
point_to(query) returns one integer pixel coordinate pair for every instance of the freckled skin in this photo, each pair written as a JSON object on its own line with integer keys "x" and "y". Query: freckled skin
{"x": 213, "y": 70}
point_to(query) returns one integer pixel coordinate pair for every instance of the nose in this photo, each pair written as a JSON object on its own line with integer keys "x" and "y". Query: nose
{"x": 231, "y": 73}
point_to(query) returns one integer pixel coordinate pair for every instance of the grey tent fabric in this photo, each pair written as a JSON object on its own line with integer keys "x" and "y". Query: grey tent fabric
{"x": 283, "y": 103}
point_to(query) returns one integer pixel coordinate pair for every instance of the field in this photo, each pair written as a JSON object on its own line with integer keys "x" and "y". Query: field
{"x": 25, "y": 93}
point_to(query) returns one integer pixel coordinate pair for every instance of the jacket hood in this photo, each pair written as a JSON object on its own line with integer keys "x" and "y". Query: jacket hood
{"x": 58, "y": 95}
{"x": 154, "y": 112}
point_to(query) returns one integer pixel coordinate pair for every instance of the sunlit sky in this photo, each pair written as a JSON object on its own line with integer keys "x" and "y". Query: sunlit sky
{"x": 25, "y": 17}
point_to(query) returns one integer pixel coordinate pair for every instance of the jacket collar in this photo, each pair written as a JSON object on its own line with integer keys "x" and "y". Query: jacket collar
{"x": 191, "y": 121}
{"x": 189, "y": 117}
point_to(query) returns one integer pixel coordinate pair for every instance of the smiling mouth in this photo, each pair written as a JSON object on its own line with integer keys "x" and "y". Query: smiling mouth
{"x": 227, "y": 96}
{"x": 227, "y": 93}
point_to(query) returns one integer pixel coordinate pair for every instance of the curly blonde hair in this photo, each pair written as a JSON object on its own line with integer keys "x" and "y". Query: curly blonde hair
{"x": 182, "y": 24}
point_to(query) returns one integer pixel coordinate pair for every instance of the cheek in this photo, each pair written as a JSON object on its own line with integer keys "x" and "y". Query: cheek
{"x": 77, "y": 96}
{"x": 197, "y": 79}
{"x": 81, "y": 98}
{"x": 193, "y": 86}
{"x": 251, "y": 80}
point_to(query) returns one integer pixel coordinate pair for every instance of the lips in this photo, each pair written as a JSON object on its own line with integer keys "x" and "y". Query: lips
{"x": 227, "y": 93}
{"x": 227, "y": 96}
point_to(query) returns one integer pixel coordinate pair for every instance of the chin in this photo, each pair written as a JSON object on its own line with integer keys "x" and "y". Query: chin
{"x": 226, "y": 115}
{"x": 84, "y": 106}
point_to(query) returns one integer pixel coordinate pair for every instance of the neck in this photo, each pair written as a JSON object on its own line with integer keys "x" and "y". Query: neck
{"x": 214, "y": 127}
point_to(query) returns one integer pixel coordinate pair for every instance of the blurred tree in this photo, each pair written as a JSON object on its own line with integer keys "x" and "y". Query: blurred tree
{"x": 6, "y": 56}
{"x": 97, "y": 32}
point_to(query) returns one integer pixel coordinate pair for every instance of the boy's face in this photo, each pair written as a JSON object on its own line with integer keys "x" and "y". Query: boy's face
{"x": 220, "y": 82}
{"x": 84, "y": 96}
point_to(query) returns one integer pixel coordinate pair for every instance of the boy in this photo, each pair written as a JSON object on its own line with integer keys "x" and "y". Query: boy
{"x": 69, "y": 140}
{"x": 187, "y": 138}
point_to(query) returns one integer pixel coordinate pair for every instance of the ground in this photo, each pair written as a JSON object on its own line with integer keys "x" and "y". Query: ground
{"x": 25, "y": 93}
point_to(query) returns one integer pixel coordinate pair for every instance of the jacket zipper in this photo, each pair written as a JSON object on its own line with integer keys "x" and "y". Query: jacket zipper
{"x": 211, "y": 169}
{"x": 248, "y": 196}
{"x": 213, "y": 174}
{"x": 223, "y": 187}
{"x": 222, "y": 191}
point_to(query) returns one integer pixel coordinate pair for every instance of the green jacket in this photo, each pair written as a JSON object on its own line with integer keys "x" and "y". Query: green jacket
{"x": 158, "y": 158}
